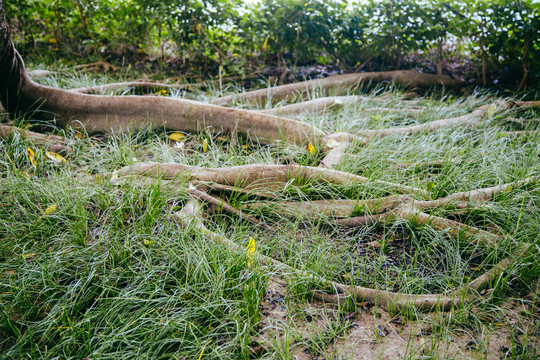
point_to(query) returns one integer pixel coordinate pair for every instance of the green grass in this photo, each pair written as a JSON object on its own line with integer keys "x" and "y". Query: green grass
{"x": 110, "y": 275}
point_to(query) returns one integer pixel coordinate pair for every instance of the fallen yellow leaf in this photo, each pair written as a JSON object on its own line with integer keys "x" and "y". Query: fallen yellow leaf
{"x": 31, "y": 156}
{"x": 310, "y": 148}
{"x": 251, "y": 250}
{"x": 26, "y": 256}
{"x": 177, "y": 136}
{"x": 205, "y": 145}
{"x": 114, "y": 174}
{"x": 55, "y": 157}
{"x": 50, "y": 209}
{"x": 202, "y": 351}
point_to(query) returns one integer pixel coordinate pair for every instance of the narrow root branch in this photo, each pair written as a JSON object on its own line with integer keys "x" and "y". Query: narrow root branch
{"x": 402, "y": 111}
{"x": 519, "y": 133}
{"x": 313, "y": 106}
{"x": 202, "y": 196}
{"x": 53, "y": 142}
{"x": 472, "y": 119}
{"x": 482, "y": 195}
{"x": 137, "y": 86}
{"x": 191, "y": 216}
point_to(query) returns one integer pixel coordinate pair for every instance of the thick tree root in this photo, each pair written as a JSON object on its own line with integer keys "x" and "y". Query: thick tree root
{"x": 528, "y": 104}
{"x": 98, "y": 113}
{"x": 411, "y": 78}
{"x": 261, "y": 177}
{"x": 334, "y": 156}
{"x": 388, "y": 208}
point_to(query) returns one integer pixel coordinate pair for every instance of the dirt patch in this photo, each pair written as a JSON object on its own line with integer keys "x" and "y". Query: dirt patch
{"x": 307, "y": 330}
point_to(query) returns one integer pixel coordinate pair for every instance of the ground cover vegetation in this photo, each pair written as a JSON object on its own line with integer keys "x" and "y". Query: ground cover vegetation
{"x": 487, "y": 42}
{"x": 364, "y": 215}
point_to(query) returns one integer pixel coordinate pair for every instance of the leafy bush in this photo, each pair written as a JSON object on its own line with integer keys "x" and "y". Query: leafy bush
{"x": 500, "y": 37}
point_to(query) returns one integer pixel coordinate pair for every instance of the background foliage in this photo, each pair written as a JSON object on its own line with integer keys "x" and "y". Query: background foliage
{"x": 489, "y": 42}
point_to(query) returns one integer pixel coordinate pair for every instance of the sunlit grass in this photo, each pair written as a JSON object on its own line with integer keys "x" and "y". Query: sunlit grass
{"x": 110, "y": 275}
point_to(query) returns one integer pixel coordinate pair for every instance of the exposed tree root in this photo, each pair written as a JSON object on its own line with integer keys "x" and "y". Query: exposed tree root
{"x": 479, "y": 195}
{"x": 192, "y": 216}
{"x": 97, "y": 113}
{"x": 520, "y": 121}
{"x": 96, "y": 66}
{"x": 387, "y": 209}
{"x": 36, "y": 74}
{"x": 519, "y": 133}
{"x": 528, "y": 104}
{"x": 263, "y": 177}
{"x": 402, "y": 111}
{"x": 141, "y": 86}
{"x": 333, "y": 156}
{"x": 411, "y": 78}
{"x": 202, "y": 196}
{"x": 313, "y": 106}
{"x": 472, "y": 119}
{"x": 329, "y": 103}
{"x": 402, "y": 206}
{"x": 53, "y": 142}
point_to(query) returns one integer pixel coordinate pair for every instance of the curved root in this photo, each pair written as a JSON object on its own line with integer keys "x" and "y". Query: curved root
{"x": 191, "y": 216}
{"x": 53, "y": 142}
{"x": 412, "y": 78}
{"x": 126, "y": 86}
{"x": 263, "y": 177}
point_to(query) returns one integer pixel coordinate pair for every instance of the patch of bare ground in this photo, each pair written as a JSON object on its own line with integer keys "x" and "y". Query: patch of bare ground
{"x": 313, "y": 330}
